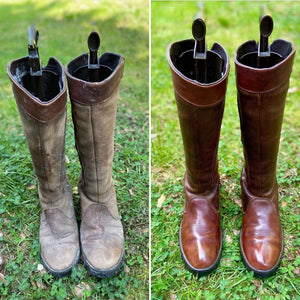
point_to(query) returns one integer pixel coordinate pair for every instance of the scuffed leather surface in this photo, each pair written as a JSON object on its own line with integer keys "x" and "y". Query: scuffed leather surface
{"x": 58, "y": 238}
{"x": 94, "y": 132}
{"x": 59, "y": 241}
{"x": 261, "y": 108}
{"x": 94, "y": 114}
{"x": 101, "y": 237}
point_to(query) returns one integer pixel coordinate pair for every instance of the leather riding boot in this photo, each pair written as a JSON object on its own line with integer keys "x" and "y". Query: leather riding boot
{"x": 94, "y": 106}
{"x": 44, "y": 123}
{"x": 200, "y": 110}
{"x": 261, "y": 94}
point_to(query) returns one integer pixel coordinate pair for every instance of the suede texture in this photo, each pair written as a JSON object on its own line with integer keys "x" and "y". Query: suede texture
{"x": 45, "y": 135}
{"x": 94, "y": 114}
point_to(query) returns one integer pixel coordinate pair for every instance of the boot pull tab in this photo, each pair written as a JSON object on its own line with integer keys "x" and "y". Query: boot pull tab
{"x": 199, "y": 32}
{"x": 33, "y": 51}
{"x": 93, "y": 63}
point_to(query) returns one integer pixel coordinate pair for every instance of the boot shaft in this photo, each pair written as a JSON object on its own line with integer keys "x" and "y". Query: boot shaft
{"x": 44, "y": 125}
{"x": 94, "y": 107}
{"x": 261, "y": 97}
{"x": 200, "y": 111}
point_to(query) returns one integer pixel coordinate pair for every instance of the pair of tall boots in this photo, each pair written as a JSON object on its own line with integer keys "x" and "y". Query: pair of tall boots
{"x": 93, "y": 111}
{"x": 261, "y": 97}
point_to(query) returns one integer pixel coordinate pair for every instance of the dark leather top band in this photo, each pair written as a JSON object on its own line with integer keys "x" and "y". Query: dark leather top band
{"x": 89, "y": 93}
{"x": 41, "y": 111}
{"x": 194, "y": 92}
{"x": 262, "y": 80}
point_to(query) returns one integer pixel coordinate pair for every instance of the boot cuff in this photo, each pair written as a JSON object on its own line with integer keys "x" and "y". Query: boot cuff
{"x": 54, "y": 87}
{"x": 85, "y": 92}
{"x": 255, "y": 79}
{"x": 183, "y": 75}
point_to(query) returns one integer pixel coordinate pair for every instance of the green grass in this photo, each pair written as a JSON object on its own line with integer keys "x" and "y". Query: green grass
{"x": 64, "y": 27}
{"x": 231, "y": 24}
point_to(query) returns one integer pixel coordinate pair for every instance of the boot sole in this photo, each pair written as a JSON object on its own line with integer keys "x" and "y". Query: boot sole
{"x": 261, "y": 273}
{"x": 61, "y": 273}
{"x": 103, "y": 273}
{"x": 205, "y": 271}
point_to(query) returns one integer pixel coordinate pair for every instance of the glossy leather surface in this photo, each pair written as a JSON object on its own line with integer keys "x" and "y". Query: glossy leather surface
{"x": 261, "y": 99}
{"x": 200, "y": 110}
{"x": 200, "y": 230}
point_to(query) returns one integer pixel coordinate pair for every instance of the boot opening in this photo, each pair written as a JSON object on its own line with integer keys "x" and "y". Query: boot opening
{"x": 247, "y": 54}
{"x": 51, "y": 79}
{"x": 84, "y": 74}
{"x": 108, "y": 62}
{"x": 181, "y": 55}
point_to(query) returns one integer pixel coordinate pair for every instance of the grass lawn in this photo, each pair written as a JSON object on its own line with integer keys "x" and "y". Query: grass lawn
{"x": 231, "y": 24}
{"x": 64, "y": 27}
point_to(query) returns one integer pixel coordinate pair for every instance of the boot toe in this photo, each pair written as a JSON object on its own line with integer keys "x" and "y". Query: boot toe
{"x": 261, "y": 238}
{"x": 200, "y": 237}
{"x": 59, "y": 242}
{"x": 60, "y": 258}
{"x": 104, "y": 254}
{"x": 200, "y": 255}
{"x": 102, "y": 241}
{"x": 262, "y": 256}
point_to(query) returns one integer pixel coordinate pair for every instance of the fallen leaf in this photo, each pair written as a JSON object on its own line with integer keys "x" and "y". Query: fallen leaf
{"x": 2, "y": 261}
{"x": 145, "y": 257}
{"x": 40, "y": 268}
{"x": 2, "y": 277}
{"x": 228, "y": 239}
{"x": 79, "y": 288}
{"x": 161, "y": 200}
{"x": 236, "y": 232}
{"x": 127, "y": 269}
{"x": 31, "y": 186}
{"x": 40, "y": 285}
{"x": 291, "y": 172}
{"x": 292, "y": 90}
{"x": 257, "y": 283}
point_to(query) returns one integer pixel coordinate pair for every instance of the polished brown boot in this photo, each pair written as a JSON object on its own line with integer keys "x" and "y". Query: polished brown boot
{"x": 261, "y": 93}
{"x": 200, "y": 111}
{"x": 44, "y": 122}
{"x": 94, "y": 106}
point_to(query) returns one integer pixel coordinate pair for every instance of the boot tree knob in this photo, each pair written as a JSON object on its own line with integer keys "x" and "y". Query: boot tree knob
{"x": 199, "y": 55}
{"x": 33, "y": 51}
{"x": 93, "y": 63}
{"x": 199, "y": 32}
{"x": 266, "y": 28}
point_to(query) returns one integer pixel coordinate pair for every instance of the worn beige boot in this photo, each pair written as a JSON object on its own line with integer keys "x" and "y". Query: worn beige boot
{"x": 94, "y": 106}
{"x": 44, "y": 124}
